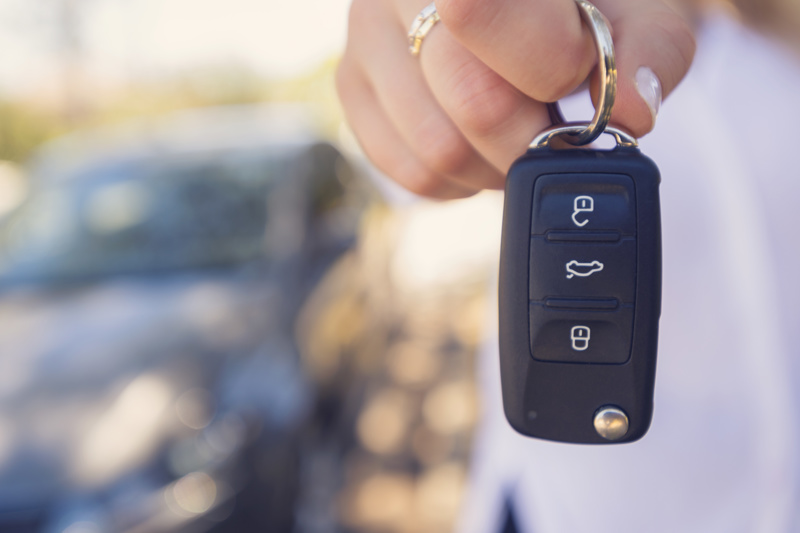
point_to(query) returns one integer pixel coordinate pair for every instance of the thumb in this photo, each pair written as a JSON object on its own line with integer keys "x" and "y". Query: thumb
{"x": 654, "y": 47}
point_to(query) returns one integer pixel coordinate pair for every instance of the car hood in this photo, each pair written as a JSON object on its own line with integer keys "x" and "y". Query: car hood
{"x": 104, "y": 361}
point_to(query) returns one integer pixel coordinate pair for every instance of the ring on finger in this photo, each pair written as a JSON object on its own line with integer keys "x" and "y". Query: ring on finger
{"x": 422, "y": 25}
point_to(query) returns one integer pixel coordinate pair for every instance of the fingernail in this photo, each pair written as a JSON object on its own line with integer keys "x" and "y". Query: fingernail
{"x": 650, "y": 88}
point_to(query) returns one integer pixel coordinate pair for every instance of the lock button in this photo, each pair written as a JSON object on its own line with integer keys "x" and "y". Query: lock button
{"x": 581, "y": 335}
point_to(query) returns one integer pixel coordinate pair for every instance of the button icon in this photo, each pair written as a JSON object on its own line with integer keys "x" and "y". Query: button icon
{"x": 580, "y": 335}
{"x": 583, "y": 270}
{"x": 582, "y": 204}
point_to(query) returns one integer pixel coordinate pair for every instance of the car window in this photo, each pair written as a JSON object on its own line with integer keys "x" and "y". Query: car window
{"x": 180, "y": 212}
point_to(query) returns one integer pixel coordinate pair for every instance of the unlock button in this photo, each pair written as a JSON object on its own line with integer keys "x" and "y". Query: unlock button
{"x": 584, "y": 202}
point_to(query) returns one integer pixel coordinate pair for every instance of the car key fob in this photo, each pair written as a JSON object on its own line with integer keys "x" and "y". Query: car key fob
{"x": 580, "y": 293}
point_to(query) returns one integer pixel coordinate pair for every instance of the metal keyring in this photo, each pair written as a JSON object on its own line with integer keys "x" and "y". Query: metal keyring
{"x": 575, "y": 128}
{"x": 607, "y": 66}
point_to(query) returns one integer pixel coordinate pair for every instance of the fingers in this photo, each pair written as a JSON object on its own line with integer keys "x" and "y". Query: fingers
{"x": 494, "y": 116}
{"x": 655, "y": 47}
{"x": 543, "y": 48}
{"x": 539, "y": 46}
{"x": 454, "y": 118}
{"x": 394, "y": 116}
{"x": 403, "y": 93}
{"x": 384, "y": 146}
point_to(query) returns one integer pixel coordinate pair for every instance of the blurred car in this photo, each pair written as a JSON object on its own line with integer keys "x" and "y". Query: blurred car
{"x": 149, "y": 285}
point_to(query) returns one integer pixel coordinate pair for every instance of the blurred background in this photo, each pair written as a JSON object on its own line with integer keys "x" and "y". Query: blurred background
{"x": 210, "y": 319}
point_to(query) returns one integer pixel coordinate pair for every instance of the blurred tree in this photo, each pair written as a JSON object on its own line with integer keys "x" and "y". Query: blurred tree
{"x": 23, "y": 128}
{"x": 25, "y": 124}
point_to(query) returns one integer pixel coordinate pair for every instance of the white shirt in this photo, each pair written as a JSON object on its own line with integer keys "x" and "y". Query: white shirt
{"x": 722, "y": 452}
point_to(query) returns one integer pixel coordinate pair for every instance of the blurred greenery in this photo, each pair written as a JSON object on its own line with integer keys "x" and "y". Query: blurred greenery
{"x": 23, "y": 126}
{"x": 26, "y": 123}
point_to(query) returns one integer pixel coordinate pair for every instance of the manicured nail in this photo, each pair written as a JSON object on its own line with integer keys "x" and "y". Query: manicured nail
{"x": 650, "y": 88}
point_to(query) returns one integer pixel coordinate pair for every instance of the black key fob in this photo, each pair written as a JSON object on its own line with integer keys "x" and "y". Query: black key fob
{"x": 580, "y": 294}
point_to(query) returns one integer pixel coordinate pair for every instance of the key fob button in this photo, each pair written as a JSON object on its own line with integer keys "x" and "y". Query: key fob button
{"x": 583, "y": 269}
{"x": 570, "y": 336}
{"x": 584, "y": 202}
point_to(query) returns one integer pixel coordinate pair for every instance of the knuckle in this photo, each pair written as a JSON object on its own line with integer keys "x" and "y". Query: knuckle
{"x": 458, "y": 13}
{"x": 443, "y": 149}
{"x": 565, "y": 69}
{"x": 560, "y": 83}
{"x": 415, "y": 176}
{"x": 483, "y": 102}
{"x": 557, "y": 87}
{"x": 418, "y": 179}
{"x": 407, "y": 171}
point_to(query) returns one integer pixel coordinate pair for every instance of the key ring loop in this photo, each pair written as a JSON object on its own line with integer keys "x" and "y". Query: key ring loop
{"x": 607, "y": 66}
{"x": 567, "y": 129}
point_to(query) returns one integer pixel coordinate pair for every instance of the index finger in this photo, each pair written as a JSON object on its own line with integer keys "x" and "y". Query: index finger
{"x": 539, "y": 46}
{"x": 543, "y": 48}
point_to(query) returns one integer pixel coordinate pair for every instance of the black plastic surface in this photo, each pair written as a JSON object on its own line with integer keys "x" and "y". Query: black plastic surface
{"x": 575, "y": 337}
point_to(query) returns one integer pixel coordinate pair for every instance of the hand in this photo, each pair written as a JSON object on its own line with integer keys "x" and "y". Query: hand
{"x": 451, "y": 121}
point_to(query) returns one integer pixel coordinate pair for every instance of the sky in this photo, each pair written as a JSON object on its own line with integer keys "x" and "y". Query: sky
{"x": 123, "y": 39}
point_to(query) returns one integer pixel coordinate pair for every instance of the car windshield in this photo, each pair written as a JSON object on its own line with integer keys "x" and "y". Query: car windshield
{"x": 146, "y": 214}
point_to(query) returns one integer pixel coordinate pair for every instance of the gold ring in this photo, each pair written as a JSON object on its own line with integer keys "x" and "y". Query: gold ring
{"x": 422, "y": 24}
